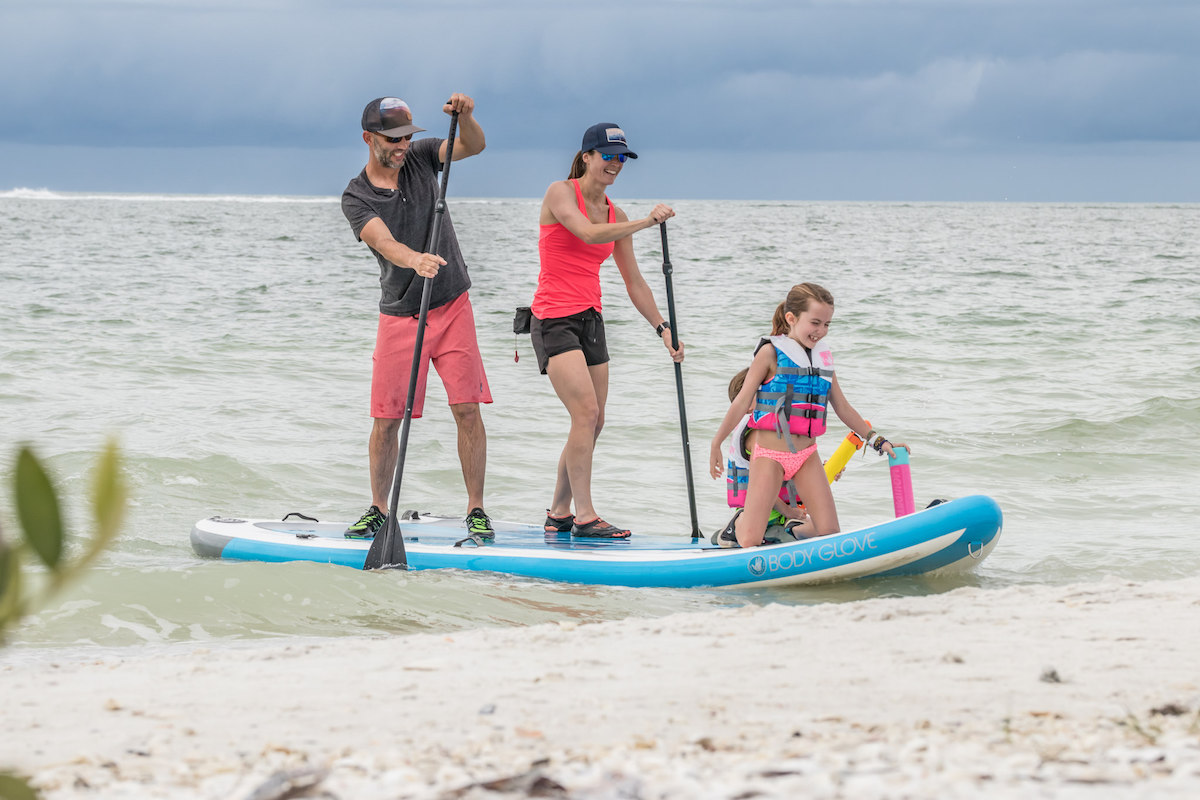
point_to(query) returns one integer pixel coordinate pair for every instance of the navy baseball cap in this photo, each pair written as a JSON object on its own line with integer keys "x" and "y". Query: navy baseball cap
{"x": 606, "y": 137}
{"x": 389, "y": 116}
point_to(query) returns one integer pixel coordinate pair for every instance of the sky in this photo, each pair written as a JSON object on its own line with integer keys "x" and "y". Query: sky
{"x": 871, "y": 100}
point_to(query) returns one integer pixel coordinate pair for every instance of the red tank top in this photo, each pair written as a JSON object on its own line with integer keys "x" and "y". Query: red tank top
{"x": 569, "y": 281}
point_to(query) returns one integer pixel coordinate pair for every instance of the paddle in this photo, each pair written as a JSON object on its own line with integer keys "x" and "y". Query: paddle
{"x": 387, "y": 548}
{"x": 687, "y": 450}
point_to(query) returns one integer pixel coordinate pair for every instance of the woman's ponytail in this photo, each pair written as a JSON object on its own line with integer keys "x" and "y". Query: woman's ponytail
{"x": 578, "y": 167}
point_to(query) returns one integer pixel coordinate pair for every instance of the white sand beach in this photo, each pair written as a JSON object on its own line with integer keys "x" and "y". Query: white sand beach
{"x": 1090, "y": 690}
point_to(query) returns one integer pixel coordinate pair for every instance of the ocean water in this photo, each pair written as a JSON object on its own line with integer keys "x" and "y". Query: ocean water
{"x": 1045, "y": 355}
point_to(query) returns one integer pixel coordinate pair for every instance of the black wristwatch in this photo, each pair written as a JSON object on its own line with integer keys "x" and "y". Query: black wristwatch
{"x": 662, "y": 326}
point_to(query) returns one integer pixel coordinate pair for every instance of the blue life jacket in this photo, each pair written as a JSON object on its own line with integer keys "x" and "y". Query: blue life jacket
{"x": 795, "y": 400}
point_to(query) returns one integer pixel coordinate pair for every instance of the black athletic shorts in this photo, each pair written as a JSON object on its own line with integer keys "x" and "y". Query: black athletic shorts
{"x": 583, "y": 331}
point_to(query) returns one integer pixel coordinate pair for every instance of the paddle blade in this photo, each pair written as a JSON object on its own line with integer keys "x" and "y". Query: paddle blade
{"x": 375, "y": 554}
{"x": 387, "y": 548}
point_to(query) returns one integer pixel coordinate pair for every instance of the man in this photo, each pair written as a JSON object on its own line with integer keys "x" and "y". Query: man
{"x": 390, "y": 207}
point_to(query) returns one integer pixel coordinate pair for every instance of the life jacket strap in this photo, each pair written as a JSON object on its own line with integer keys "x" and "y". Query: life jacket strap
{"x": 767, "y": 401}
{"x": 792, "y": 497}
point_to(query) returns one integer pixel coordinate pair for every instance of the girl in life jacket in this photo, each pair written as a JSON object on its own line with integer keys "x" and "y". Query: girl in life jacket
{"x": 788, "y": 389}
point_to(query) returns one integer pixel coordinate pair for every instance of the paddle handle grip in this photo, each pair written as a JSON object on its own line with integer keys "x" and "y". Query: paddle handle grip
{"x": 902, "y": 491}
{"x": 841, "y": 456}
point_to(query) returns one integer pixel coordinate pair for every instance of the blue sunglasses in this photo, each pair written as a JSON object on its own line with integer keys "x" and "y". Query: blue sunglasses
{"x": 620, "y": 157}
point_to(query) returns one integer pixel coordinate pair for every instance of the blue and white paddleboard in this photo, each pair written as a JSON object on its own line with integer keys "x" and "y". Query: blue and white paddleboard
{"x": 950, "y": 537}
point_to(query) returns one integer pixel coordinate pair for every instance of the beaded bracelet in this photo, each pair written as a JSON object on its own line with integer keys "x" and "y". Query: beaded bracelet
{"x": 879, "y": 443}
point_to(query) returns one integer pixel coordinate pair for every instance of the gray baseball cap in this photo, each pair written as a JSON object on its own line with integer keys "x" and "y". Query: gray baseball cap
{"x": 389, "y": 116}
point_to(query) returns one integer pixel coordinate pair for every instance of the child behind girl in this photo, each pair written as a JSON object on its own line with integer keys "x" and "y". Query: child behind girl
{"x": 788, "y": 388}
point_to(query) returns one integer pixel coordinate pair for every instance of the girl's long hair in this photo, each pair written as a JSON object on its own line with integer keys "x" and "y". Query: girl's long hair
{"x": 799, "y": 298}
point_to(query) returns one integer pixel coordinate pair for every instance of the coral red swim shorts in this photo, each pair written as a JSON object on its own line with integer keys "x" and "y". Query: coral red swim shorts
{"x": 449, "y": 343}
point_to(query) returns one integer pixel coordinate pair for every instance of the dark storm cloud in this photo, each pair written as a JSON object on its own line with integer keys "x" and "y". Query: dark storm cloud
{"x": 778, "y": 75}
{"x": 976, "y": 91}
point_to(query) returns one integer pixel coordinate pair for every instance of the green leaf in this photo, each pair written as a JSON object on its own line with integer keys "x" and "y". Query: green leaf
{"x": 109, "y": 499}
{"x": 37, "y": 509}
{"x": 13, "y": 788}
{"x": 10, "y": 587}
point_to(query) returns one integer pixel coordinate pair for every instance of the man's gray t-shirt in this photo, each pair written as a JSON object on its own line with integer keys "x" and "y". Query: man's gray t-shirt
{"x": 408, "y": 214}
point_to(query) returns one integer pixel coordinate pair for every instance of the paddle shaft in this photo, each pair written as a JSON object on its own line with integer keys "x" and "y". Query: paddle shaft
{"x": 687, "y": 449}
{"x": 387, "y": 549}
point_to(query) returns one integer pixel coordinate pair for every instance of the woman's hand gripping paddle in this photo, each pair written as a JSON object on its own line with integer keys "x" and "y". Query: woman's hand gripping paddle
{"x": 387, "y": 548}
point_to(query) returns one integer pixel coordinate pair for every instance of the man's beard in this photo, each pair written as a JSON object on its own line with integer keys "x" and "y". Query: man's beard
{"x": 392, "y": 162}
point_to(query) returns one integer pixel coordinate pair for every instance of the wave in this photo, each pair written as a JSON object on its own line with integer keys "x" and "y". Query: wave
{"x": 1139, "y": 422}
{"x": 22, "y": 193}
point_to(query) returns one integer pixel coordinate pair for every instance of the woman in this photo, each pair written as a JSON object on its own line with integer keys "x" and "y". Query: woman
{"x": 580, "y": 229}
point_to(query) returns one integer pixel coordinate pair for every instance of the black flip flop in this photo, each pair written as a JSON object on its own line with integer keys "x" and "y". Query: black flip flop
{"x": 726, "y": 537}
{"x": 599, "y": 529}
{"x": 559, "y": 524}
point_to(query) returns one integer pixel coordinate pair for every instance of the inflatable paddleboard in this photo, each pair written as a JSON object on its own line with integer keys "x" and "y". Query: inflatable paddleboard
{"x": 950, "y": 537}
